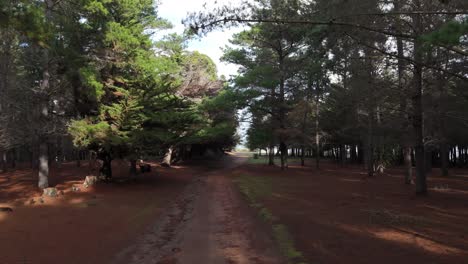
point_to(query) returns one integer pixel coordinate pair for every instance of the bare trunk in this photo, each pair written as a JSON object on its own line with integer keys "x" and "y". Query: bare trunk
{"x": 369, "y": 152}
{"x": 44, "y": 112}
{"x": 403, "y": 107}
{"x": 342, "y": 154}
{"x": 421, "y": 185}
{"x": 59, "y": 152}
{"x": 379, "y": 164}
{"x": 304, "y": 125}
{"x": 284, "y": 155}
{"x": 407, "y": 164}
{"x": 106, "y": 169}
{"x": 44, "y": 154}
{"x": 91, "y": 160}
{"x": 353, "y": 154}
{"x": 317, "y": 156}
{"x": 43, "y": 165}
{"x": 167, "y": 161}
{"x": 4, "y": 83}
{"x": 14, "y": 155}
{"x": 271, "y": 156}
{"x": 302, "y": 156}
{"x": 369, "y": 161}
{"x": 4, "y": 161}
{"x": 133, "y": 167}
{"x": 317, "y": 127}
{"x": 360, "y": 156}
{"x": 443, "y": 146}
{"x": 282, "y": 110}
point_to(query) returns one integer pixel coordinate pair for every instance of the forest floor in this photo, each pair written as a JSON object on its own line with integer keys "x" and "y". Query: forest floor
{"x": 88, "y": 226}
{"x": 200, "y": 213}
{"x": 192, "y": 213}
{"x": 338, "y": 215}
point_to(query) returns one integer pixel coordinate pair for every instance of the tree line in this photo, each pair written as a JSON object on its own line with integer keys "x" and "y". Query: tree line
{"x": 87, "y": 77}
{"x": 372, "y": 82}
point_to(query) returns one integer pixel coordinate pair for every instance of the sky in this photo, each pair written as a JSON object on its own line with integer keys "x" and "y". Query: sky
{"x": 176, "y": 10}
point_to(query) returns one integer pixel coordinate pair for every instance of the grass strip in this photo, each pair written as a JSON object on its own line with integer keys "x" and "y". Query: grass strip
{"x": 256, "y": 188}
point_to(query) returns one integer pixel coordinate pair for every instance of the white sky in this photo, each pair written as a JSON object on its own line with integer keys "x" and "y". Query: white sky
{"x": 176, "y": 10}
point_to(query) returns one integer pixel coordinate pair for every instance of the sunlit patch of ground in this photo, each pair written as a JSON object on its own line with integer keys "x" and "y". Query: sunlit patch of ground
{"x": 414, "y": 240}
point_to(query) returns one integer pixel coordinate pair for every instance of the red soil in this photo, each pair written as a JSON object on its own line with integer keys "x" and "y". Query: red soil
{"x": 209, "y": 223}
{"x": 89, "y": 226}
{"x": 337, "y": 215}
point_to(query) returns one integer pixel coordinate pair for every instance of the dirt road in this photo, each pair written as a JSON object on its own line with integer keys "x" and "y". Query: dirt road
{"x": 209, "y": 223}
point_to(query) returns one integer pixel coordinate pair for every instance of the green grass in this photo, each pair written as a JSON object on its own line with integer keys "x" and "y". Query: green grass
{"x": 260, "y": 160}
{"x": 286, "y": 243}
{"x": 264, "y": 160}
{"x": 255, "y": 188}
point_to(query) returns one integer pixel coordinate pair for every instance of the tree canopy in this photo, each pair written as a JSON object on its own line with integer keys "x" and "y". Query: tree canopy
{"x": 356, "y": 80}
{"x": 92, "y": 71}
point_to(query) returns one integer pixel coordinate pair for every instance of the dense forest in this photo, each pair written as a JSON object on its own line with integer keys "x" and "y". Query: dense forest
{"x": 88, "y": 79}
{"x": 336, "y": 134}
{"x": 372, "y": 82}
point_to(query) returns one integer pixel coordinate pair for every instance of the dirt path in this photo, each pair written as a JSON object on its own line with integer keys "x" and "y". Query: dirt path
{"x": 209, "y": 223}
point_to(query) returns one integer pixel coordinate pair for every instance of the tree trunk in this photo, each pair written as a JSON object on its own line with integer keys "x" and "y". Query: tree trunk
{"x": 282, "y": 108}
{"x": 176, "y": 154}
{"x": 462, "y": 158}
{"x": 4, "y": 161}
{"x": 403, "y": 106}
{"x": 353, "y": 153}
{"x": 167, "y": 160}
{"x": 106, "y": 169}
{"x": 407, "y": 164}
{"x": 442, "y": 131}
{"x": 14, "y": 157}
{"x": 343, "y": 154}
{"x": 59, "y": 151}
{"x": 444, "y": 158}
{"x": 133, "y": 167}
{"x": 44, "y": 111}
{"x": 90, "y": 159}
{"x": 369, "y": 161}
{"x": 43, "y": 165}
{"x": 360, "y": 155}
{"x": 284, "y": 155}
{"x": 302, "y": 156}
{"x": 421, "y": 185}
{"x": 454, "y": 156}
{"x": 369, "y": 152}
{"x": 317, "y": 127}
{"x": 271, "y": 156}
